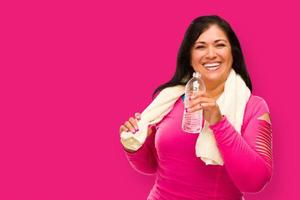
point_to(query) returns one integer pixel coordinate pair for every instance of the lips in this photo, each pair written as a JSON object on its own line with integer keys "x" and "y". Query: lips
{"x": 212, "y": 66}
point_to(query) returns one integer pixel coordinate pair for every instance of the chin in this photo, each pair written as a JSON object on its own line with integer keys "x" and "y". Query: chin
{"x": 213, "y": 77}
{"x": 213, "y": 74}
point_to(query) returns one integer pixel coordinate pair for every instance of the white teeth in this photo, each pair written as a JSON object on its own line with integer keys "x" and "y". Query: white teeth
{"x": 211, "y": 65}
{"x": 212, "y": 68}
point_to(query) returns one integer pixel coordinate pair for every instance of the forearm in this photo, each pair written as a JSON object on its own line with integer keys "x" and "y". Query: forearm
{"x": 247, "y": 168}
{"x": 144, "y": 159}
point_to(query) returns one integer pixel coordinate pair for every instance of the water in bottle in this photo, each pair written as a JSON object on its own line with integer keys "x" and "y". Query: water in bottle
{"x": 192, "y": 121}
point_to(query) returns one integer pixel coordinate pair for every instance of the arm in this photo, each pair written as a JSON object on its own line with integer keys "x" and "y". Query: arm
{"x": 144, "y": 159}
{"x": 247, "y": 157}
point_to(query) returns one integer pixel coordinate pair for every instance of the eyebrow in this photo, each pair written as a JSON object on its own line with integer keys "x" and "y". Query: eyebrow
{"x": 219, "y": 40}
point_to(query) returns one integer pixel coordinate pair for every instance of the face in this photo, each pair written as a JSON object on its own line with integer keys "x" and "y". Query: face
{"x": 211, "y": 56}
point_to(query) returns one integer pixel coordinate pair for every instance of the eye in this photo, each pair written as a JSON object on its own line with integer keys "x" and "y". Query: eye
{"x": 221, "y": 45}
{"x": 200, "y": 47}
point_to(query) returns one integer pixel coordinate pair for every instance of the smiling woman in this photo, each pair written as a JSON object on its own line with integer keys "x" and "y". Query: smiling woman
{"x": 211, "y": 56}
{"x": 233, "y": 153}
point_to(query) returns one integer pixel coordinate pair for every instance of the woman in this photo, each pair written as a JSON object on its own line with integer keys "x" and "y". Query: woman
{"x": 211, "y": 48}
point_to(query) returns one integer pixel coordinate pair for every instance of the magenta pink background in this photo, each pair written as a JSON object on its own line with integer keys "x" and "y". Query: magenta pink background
{"x": 72, "y": 72}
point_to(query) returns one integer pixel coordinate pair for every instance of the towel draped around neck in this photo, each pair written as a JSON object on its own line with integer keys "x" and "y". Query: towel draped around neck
{"x": 232, "y": 104}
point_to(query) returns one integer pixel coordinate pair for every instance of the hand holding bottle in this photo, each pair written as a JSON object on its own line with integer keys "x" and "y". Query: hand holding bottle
{"x": 211, "y": 110}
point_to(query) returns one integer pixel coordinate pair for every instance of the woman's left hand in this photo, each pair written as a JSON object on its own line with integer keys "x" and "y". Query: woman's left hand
{"x": 211, "y": 110}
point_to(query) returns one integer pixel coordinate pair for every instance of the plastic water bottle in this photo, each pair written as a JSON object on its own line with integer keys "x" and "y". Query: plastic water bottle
{"x": 192, "y": 121}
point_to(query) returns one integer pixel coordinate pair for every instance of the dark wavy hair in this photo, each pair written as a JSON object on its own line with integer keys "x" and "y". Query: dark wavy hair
{"x": 184, "y": 70}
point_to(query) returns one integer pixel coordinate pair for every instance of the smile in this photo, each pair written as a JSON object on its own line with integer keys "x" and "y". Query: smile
{"x": 212, "y": 66}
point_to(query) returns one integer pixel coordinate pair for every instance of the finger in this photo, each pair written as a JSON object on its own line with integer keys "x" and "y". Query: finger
{"x": 123, "y": 128}
{"x": 209, "y": 105}
{"x": 193, "y": 96}
{"x": 193, "y": 102}
{"x": 200, "y": 93}
{"x": 199, "y": 100}
{"x": 193, "y": 99}
{"x": 137, "y": 116}
{"x": 133, "y": 123}
{"x": 129, "y": 126}
{"x": 204, "y": 99}
{"x": 194, "y": 108}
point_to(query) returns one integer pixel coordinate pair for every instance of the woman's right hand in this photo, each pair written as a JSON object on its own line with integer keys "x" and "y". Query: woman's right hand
{"x": 131, "y": 124}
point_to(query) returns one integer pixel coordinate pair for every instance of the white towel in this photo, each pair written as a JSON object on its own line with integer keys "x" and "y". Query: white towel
{"x": 232, "y": 103}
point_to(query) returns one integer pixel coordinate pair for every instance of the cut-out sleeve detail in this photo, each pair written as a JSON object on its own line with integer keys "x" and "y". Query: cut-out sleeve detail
{"x": 263, "y": 144}
{"x": 265, "y": 117}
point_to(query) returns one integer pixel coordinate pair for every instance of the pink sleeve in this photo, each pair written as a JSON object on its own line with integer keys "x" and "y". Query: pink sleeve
{"x": 247, "y": 157}
{"x": 144, "y": 159}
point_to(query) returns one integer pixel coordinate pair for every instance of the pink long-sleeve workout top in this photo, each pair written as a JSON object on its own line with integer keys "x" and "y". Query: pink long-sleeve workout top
{"x": 169, "y": 153}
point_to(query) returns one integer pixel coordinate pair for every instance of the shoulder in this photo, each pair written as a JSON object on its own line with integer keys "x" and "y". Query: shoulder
{"x": 256, "y": 106}
{"x": 257, "y": 103}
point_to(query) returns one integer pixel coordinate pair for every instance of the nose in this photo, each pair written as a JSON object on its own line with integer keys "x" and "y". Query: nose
{"x": 211, "y": 53}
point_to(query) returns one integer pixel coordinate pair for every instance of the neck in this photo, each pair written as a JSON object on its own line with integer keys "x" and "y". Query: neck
{"x": 215, "y": 91}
